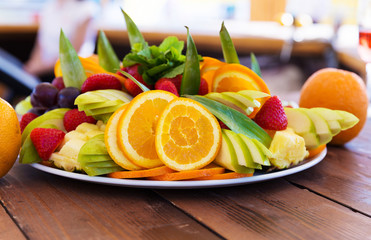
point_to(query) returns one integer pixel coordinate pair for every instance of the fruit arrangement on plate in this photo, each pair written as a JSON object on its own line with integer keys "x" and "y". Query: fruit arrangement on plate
{"x": 162, "y": 115}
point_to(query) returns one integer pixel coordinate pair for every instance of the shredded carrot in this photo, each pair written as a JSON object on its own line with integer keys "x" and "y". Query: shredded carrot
{"x": 229, "y": 175}
{"x": 183, "y": 175}
{"x": 142, "y": 173}
{"x": 317, "y": 150}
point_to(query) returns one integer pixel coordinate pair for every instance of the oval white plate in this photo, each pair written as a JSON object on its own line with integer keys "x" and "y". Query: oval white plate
{"x": 258, "y": 177}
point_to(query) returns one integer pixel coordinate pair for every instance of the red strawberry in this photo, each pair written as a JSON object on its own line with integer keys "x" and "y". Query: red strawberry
{"x": 131, "y": 86}
{"x": 272, "y": 116}
{"x": 58, "y": 83}
{"x": 26, "y": 119}
{"x": 46, "y": 140}
{"x": 74, "y": 118}
{"x": 100, "y": 81}
{"x": 167, "y": 85}
{"x": 204, "y": 87}
{"x": 176, "y": 80}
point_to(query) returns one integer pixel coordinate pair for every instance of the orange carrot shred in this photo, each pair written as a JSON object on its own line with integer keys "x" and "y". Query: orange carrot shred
{"x": 141, "y": 173}
{"x": 189, "y": 174}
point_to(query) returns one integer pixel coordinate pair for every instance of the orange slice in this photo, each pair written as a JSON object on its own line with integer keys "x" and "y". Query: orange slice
{"x": 209, "y": 66}
{"x": 236, "y": 77}
{"x": 137, "y": 125}
{"x": 189, "y": 174}
{"x": 188, "y": 136}
{"x": 110, "y": 140}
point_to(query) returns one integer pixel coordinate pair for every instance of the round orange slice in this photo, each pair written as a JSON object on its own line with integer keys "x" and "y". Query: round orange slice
{"x": 236, "y": 77}
{"x": 137, "y": 125}
{"x": 210, "y": 65}
{"x": 110, "y": 140}
{"x": 188, "y": 136}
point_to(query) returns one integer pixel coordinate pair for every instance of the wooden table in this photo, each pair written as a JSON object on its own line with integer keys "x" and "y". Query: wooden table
{"x": 331, "y": 200}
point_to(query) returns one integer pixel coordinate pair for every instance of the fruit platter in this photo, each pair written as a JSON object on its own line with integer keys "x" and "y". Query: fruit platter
{"x": 161, "y": 118}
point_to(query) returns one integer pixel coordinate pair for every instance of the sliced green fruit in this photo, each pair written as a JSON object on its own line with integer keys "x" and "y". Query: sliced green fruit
{"x": 236, "y": 121}
{"x": 257, "y": 154}
{"x": 230, "y": 102}
{"x": 303, "y": 126}
{"x": 320, "y": 124}
{"x": 244, "y": 157}
{"x": 227, "y": 157}
{"x": 248, "y": 102}
{"x": 98, "y": 105}
{"x": 253, "y": 94}
{"x": 89, "y": 160}
{"x": 23, "y": 106}
{"x": 54, "y": 117}
{"x": 348, "y": 119}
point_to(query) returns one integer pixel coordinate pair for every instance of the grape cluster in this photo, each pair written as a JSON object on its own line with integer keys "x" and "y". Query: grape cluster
{"x": 48, "y": 96}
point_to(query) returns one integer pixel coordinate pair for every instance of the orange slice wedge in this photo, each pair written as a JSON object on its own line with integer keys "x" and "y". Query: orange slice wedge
{"x": 137, "y": 125}
{"x": 110, "y": 140}
{"x": 188, "y": 136}
{"x": 209, "y": 66}
{"x": 236, "y": 77}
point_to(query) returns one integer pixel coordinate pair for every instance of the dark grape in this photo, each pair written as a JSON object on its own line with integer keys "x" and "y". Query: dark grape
{"x": 58, "y": 83}
{"x": 66, "y": 97}
{"x": 38, "y": 110}
{"x": 44, "y": 95}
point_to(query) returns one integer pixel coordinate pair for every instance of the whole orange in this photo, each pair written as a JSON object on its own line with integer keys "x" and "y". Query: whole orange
{"x": 10, "y": 137}
{"x": 337, "y": 89}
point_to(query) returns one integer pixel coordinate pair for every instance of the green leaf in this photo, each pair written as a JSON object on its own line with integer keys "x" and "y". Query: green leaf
{"x": 107, "y": 56}
{"x": 255, "y": 65}
{"x": 229, "y": 52}
{"x": 174, "y": 72}
{"x": 135, "y": 36}
{"x": 170, "y": 42}
{"x": 143, "y": 87}
{"x": 191, "y": 75}
{"x": 236, "y": 121}
{"x": 72, "y": 69}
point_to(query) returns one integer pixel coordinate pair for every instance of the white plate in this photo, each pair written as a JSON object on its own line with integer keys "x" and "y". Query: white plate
{"x": 258, "y": 177}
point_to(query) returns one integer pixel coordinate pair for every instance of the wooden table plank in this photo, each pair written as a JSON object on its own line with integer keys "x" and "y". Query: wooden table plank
{"x": 51, "y": 207}
{"x": 270, "y": 210}
{"x": 8, "y": 229}
{"x": 345, "y": 173}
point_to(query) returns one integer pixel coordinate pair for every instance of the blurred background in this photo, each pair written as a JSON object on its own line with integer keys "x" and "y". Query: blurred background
{"x": 291, "y": 38}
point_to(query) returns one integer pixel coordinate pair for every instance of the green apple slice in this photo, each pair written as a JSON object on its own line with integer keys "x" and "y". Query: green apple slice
{"x": 257, "y": 154}
{"x": 322, "y": 128}
{"x": 348, "y": 119}
{"x": 253, "y": 94}
{"x": 248, "y": 102}
{"x": 227, "y": 157}
{"x": 230, "y": 102}
{"x": 303, "y": 126}
{"x": 243, "y": 154}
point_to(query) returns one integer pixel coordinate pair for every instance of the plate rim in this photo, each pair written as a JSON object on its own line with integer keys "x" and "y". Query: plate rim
{"x": 137, "y": 183}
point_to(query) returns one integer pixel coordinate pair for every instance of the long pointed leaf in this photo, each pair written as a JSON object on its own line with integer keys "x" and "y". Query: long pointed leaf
{"x": 255, "y": 65}
{"x": 236, "y": 121}
{"x": 107, "y": 56}
{"x": 229, "y": 52}
{"x": 72, "y": 69}
{"x": 142, "y": 86}
{"x": 135, "y": 36}
{"x": 191, "y": 75}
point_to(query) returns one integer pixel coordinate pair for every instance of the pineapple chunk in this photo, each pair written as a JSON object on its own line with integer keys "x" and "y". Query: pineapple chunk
{"x": 86, "y": 127}
{"x": 64, "y": 162}
{"x": 287, "y": 148}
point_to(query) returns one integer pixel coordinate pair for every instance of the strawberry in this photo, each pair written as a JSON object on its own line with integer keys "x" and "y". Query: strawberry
{"x": 100, "y": 81}
{"x": 46, "y": 140}
{"x": 272, "y": 116}
{"x": 204, "y": 87}
{"x": 176, "y": 80}
{"x": 131, "y": 86}
{"x": 74, "y": 118}
{"x": 166, "y": 85}
{"x": 26, "y": 119}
